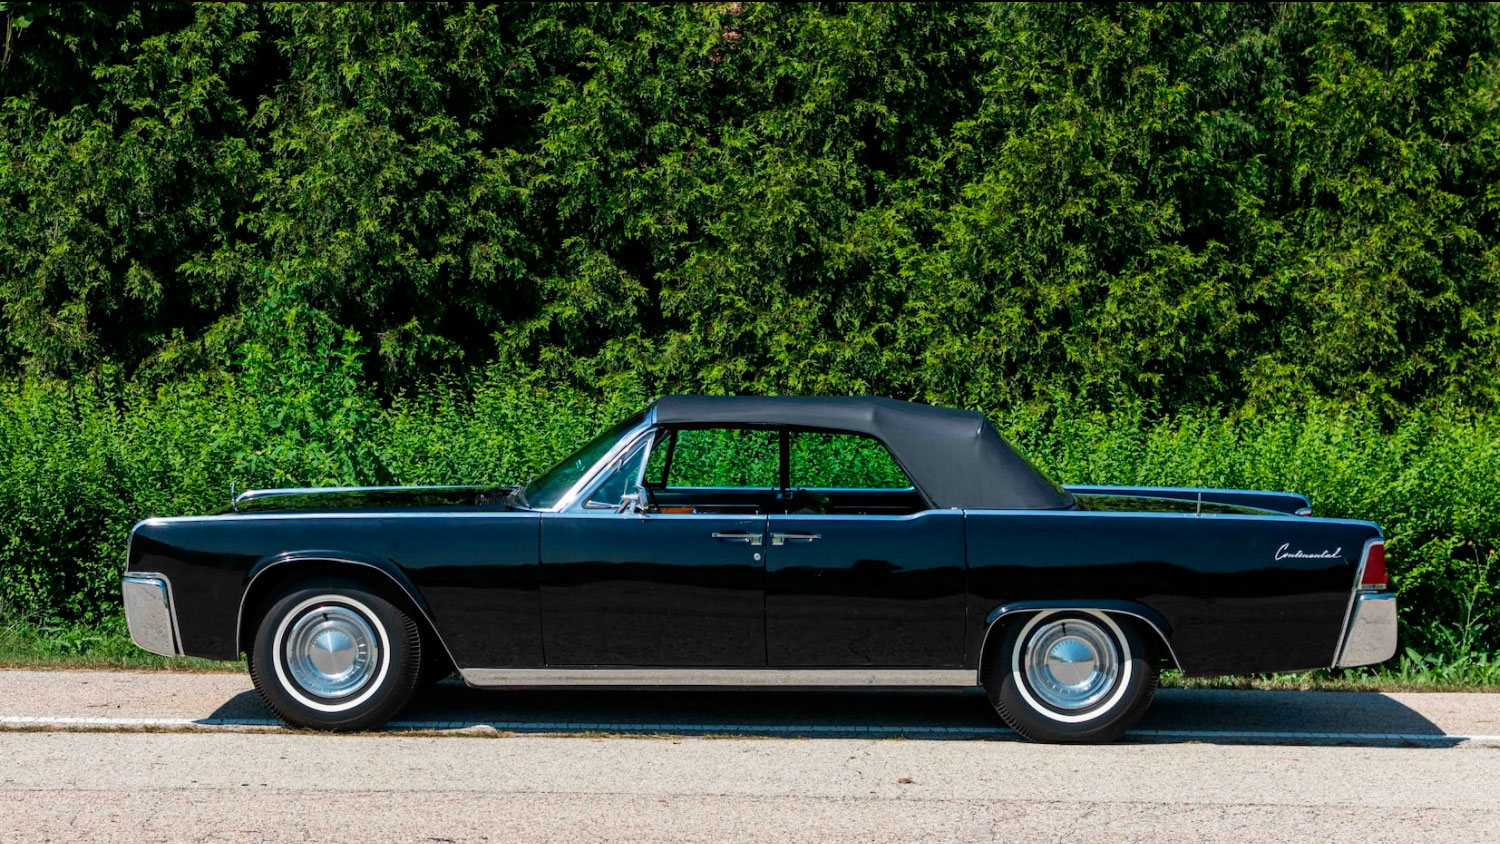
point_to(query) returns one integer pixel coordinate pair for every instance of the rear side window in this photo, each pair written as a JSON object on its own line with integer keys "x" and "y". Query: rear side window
{"x": 716, "y": 457}
{"x": 842, "y": 461}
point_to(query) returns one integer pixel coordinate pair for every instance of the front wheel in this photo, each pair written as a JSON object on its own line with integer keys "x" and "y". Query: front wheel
{"x": 335, "y": 654}
{"x": 1064, "y": 676}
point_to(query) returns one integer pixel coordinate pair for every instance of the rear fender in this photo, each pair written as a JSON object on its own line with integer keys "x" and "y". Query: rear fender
{"x": 997, "y": 618}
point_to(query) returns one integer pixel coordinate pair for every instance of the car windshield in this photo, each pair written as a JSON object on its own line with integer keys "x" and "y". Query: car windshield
{"x": 549, "y": 487}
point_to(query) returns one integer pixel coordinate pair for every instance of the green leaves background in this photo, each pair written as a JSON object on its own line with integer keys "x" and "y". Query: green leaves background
{"x": 980, "y": 205}
{"x": 1227, "y": 244}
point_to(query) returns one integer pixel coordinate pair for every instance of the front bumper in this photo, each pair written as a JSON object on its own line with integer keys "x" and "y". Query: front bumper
{"x": 149, "y": 612}
{"x": 1371, "y": 634}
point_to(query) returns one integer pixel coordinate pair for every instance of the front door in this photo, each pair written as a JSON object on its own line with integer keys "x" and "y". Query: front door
{"x": 654, "y": 589}
{"x": 680, "y": 585}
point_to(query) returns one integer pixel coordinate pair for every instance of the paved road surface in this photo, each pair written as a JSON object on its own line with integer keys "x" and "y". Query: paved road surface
{"x": 1207, "y": 766}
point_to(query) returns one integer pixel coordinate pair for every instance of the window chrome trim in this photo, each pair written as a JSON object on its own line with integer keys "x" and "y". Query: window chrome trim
{"x": 150, "y": 612}
{"x": 605, "y": 472}
{"x": 790, "y": 678}
{"x": 621, "y": 445}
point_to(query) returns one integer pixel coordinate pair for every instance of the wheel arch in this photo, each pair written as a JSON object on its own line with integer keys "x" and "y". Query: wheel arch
{"x": 1139, "y": 614}
{"x": 272, "y": 573}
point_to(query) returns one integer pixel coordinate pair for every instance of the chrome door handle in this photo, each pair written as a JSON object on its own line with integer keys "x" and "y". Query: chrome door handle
{"x": 739, "y": 536}
{"x": 784, "y": 538}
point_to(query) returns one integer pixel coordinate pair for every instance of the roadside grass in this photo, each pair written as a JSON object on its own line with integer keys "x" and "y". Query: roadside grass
{"x": 107, "y": 646}
{"x": 81, "y": 646}
{"x": 1325, "y": 680}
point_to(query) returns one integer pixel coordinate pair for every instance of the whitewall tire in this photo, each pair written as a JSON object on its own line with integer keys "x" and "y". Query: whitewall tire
{"x": 335, "y": 654}
{"x": 1067, "y": 676}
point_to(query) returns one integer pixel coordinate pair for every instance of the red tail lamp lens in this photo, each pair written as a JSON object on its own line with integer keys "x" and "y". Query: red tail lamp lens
{"x": 1374, "y": 576}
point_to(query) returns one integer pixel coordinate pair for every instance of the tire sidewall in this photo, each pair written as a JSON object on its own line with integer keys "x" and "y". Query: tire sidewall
{"x": 1103, "y": 721}
{"x": 376, "y": 702}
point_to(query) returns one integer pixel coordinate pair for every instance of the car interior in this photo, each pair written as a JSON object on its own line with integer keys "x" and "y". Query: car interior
{"x": 755, "y": 471}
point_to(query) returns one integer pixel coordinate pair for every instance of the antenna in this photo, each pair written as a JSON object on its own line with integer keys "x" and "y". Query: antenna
{"x": 233, "y": 499}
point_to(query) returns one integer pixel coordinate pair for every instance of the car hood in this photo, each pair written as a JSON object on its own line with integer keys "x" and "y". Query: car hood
{"x": 369, "y": 498}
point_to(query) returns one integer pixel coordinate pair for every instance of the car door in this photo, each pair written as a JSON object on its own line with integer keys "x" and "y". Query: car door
{"x": 858, "y": 571}
{"x": 680, "y": 585}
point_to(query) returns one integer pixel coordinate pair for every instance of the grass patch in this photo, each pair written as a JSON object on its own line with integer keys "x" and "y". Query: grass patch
{"x": 1409, "y": 673}
{"x": 80, "y": 646}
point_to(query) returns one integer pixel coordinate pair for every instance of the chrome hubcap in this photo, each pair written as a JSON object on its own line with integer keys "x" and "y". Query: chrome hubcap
{"x": 1072, "y": 663}
{"x": 331, "y": 651}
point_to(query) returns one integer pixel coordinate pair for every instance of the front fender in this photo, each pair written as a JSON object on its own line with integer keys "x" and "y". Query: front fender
{"x": 269, "y": 570}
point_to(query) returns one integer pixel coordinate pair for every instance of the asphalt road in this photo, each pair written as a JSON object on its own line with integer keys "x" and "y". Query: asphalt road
{"x": 159, "y": 757}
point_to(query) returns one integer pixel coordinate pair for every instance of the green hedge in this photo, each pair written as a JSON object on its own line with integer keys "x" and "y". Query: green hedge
{"x": 975, "y": 204}
{"x": 78, "y": 467}
{"x": 1229, "y": 244}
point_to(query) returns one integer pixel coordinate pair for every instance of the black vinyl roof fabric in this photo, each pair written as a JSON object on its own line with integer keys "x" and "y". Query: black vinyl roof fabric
{"x": 956, "y": 458}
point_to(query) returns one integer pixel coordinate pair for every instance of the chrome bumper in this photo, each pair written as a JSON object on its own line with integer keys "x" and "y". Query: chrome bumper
{"x": 1371, "y": 636}
{"x": 149, "y": 613}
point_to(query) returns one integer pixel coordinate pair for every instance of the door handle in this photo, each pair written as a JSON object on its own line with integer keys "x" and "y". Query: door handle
{"x": 739, "y": 536}
{"x": 783, "y": 538}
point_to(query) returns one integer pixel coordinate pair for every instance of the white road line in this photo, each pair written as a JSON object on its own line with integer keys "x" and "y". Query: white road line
{"x": 217, "y": 724}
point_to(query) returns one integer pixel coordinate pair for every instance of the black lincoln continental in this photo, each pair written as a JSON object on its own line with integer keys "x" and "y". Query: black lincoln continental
{"x": 773, "y": 542}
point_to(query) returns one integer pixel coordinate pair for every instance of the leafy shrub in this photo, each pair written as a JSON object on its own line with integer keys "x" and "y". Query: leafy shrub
{"x": 979, "y": 205}
{"x": 79, "y": 466}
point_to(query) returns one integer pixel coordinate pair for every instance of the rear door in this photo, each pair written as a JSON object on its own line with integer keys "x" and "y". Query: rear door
{"x": 858, "y": 571}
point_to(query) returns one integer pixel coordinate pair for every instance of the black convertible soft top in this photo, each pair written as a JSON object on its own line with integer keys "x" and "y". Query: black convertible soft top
{"x": 955, "y": 457}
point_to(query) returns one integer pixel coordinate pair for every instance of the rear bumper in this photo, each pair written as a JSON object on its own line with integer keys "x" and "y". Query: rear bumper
{"x": 149, "y": 612}
{"x": 1371, "y": 634}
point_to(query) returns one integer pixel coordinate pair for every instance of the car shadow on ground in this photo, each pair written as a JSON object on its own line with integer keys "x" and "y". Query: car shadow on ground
{"x": 1212, "y": 716}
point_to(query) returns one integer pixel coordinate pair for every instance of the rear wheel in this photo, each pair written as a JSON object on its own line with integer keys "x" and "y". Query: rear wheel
{"x": 1064, "y": 676}
{"x": 335, "y": 654}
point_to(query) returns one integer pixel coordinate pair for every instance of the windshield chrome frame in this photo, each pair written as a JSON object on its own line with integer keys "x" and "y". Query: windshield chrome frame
{"x": 622, "y": 445}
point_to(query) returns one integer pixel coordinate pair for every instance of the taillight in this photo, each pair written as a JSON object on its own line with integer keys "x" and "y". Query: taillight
{"x": 1374, "y": 574}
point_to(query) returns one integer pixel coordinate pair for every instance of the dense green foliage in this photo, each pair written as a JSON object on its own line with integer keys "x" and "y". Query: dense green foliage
{"x": 977, "y": 205}
{"x": 78, "y": 469}
{"x": 1239, "y": 245}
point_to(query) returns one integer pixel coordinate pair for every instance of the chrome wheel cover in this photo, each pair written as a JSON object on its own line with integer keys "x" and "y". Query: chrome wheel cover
{"x": 1071, "y": 663}
{"x": 331, "y": 651}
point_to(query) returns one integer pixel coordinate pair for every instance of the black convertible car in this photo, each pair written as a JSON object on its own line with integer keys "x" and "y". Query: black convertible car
{"x": 782, "y": 542}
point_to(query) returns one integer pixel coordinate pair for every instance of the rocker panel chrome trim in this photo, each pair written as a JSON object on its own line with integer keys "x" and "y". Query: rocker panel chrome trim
{"x": 791, "y": 678}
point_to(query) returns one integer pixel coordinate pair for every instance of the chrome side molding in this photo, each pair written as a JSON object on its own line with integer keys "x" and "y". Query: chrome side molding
{"x": 789, "y": 678}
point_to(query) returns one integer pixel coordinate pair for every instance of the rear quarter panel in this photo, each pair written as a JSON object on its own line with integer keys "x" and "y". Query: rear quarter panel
{"x": 1232, "y": 606}
{"x": 474, "y": 573}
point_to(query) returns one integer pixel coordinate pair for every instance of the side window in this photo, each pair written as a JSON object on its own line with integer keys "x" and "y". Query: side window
{"x": 656, "y": 465}
{"x": 843, "y": 461}
{"x": 623, "y": 479}
{"x": 717, "y": 457}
